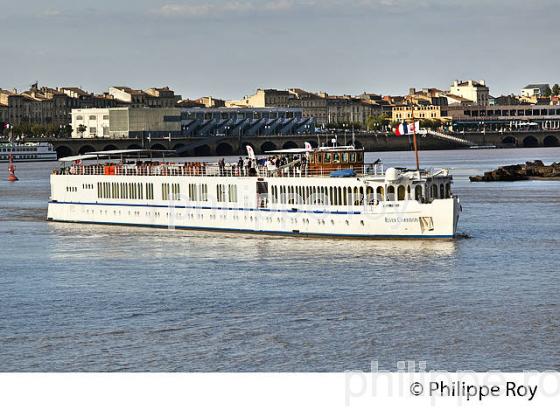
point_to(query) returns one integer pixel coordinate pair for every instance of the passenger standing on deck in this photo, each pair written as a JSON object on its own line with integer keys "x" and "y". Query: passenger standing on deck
{"x": 240, "y": 166}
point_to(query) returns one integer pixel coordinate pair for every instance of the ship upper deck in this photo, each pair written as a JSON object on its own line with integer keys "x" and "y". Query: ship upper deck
{"x": 276, "y": 166}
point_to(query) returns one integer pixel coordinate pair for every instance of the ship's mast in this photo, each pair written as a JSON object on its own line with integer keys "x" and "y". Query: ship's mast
{"x": 415, "y": 142}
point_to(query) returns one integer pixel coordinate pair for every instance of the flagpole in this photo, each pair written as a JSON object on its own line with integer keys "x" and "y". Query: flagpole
{"x": 415, "y": 143}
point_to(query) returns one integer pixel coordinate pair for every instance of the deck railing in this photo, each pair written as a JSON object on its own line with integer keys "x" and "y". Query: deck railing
{"x": 214, "y": 170}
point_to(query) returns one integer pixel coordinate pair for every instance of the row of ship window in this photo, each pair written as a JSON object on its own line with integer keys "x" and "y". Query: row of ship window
{"x": 280, "y": 194}
{"x": 18, "y": 149}
{"x": 125, "y": 190}
{"x": 19, "y": 156}
{"x": 169, "y": 192}
{"x": 340, "y": 196}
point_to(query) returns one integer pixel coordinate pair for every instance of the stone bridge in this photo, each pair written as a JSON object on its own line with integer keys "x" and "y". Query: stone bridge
{"x": 234, "y": 146}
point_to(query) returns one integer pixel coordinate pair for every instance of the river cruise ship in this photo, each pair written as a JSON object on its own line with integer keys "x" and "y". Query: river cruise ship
{"x": 315, "y": 192}
{"x": 28, "y": 152}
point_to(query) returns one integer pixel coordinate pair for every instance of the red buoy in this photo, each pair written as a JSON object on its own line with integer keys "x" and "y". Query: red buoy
{"x": 12, "y": 169}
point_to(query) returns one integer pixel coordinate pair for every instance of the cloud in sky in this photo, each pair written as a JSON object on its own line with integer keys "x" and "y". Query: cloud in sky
{"x": 200, "y": 8}
{"x": 203, "y": 9}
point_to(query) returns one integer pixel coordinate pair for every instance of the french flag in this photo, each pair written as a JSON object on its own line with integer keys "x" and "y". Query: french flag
{"x": 407, "y": 129}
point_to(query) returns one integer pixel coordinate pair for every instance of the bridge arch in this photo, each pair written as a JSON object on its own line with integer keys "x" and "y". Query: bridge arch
{"x": 224, "y": 149}
{"x": 268, "y": 146}
{"x": 551, "y": 141}
{"x": 85, "y": 149}
{"x": 110, "y": 147}
{"x": 64, "y": 151}
{"x": 509, "y": 140}
{"x": 203, "y": 151}
{"x": 158, "y": 147}
{"x": 289, "y": 145}
{"x": 530, "y": 142}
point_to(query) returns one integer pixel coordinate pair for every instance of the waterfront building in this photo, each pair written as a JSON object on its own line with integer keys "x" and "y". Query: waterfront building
{"x": 476, "y": 91}
{"x": 3, "y": 116}
{"x": 263, "y": 98}
{"x": 126, "y": 122}
{"x": 535, "y": 90}
{"x": 239, "y": 122}
{"x": 504, "y": 118}
{"x": 428, "y": 112}
{"x": 453, "y": 99}
{"x": 323, "y": 108}
{"x": 350, "y": 110}
{"x": 90, "y": 123}
{"x": 152, "y": 97}
{"x": 427, "y": 96}
{"x": 49, "y": 106}
{"x": 211, "y": 102}
{"x": 313, "y": 105}
{"x": 506, "y": 100}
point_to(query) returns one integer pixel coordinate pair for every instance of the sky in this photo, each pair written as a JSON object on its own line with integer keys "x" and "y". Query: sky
{"x": 228, "y": 49}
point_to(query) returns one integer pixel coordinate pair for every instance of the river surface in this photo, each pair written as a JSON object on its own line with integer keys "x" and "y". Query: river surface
{"x": 98, "y": 298}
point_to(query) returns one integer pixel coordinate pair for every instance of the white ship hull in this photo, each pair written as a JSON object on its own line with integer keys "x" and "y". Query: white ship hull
{"x": 76, "y": 199}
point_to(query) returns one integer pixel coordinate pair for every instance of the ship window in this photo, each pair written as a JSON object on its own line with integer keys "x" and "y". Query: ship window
{"x": 352, "y": 157}
{"x": 262, "y": 194}
{"x": 221, "y": 193}
{"x": 327, "y": 157}
{"x": 165, "y": 192}
{"x": 344, "y": 157}
{"x": 418, "y": 193}
{"x": 442, "y": 191}
{"x": 175, "y": 192}
{"x": 355, "y": 196}
{"x": 149, "y": 191}
{"x": 448, "y": 190}
{"x": 390, "y": 193}
{"x": 232, "y": 193}
{"x": 401, "y": 193}
{"x": 434, "y": 191}
{"x": 192, "y": 193}
{"x": 370, "y": 196}
{"x": 336, "y": 157}
{"x": 204, "y": 192}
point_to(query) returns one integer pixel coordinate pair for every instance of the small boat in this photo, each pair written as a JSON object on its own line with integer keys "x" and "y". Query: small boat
{"x": 27, "y": 152}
